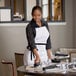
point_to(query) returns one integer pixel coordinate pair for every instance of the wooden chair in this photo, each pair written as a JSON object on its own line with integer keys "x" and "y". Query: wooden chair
{"x": 9, "y": 63}
{"x": 19, "y": 62}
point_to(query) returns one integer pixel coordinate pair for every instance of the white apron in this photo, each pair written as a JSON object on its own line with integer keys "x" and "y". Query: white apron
{"x": 41, "y": 37}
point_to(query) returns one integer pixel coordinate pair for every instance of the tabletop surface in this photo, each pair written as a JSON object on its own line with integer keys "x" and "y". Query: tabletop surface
{"x": 53, "y": 72}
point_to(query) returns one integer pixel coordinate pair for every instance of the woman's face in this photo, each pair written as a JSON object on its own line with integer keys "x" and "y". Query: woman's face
{"x": 37, "y": 15}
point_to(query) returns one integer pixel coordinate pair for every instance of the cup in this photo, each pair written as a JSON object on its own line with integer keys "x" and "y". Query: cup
{"x": 63, "y": 66}
{"x": 74, "y": 62}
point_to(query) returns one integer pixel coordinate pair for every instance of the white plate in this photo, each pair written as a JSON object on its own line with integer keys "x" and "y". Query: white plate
{"x": 55, "y": 70}
{"x": 74, "y": 68}
{"x": 31, "y": 68}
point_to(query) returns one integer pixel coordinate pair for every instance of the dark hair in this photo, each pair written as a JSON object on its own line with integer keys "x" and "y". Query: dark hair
{"x": 36, "y": 8}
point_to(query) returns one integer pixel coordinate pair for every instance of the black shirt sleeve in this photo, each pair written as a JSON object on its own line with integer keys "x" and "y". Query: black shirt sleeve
{"x": 30, "y": 37}
{"x": 48, "y": 45}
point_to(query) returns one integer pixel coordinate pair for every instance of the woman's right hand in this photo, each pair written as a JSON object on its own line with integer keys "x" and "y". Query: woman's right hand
{"x": 37, "y": 62}
{"x": 37, "y": 57}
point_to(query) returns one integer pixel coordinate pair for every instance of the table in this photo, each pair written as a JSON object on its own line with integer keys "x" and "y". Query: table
{"x": 44, "y": 73}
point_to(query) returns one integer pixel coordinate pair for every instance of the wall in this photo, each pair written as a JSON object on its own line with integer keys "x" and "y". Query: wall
{"x": 62, "y": 36}
{"x": 2, "y": 3}
{"x": 75, "y": 24}
{"x": 13, "y": 38}
{"x": 74, "y": 15}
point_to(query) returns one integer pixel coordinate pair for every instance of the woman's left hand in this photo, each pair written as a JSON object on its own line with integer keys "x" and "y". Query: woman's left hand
{"x": 49, "y": 54}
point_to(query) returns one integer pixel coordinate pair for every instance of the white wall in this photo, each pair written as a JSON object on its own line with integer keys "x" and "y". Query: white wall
{"x": 13, "y": 38}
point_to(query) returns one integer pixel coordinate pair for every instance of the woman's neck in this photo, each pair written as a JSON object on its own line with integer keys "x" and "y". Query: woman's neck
{"x": 39, "y": 23}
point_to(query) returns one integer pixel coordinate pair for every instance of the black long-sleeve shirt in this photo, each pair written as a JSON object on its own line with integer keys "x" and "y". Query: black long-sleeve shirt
{"x": 31, "y": 33}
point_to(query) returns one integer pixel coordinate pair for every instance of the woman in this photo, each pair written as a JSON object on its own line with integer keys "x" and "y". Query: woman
{"x": 38, "y": 39}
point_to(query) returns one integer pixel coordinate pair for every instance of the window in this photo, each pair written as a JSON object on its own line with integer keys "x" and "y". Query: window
{"x": 53, "y": 10}
{"x": 57, "y": 10}
{"x": 5, "y": 14}
{"x": 18, "y": 10}
{"x": 45, "y": 8}
{"x": 29, "y": 5}
{"x": 21, "y": 9}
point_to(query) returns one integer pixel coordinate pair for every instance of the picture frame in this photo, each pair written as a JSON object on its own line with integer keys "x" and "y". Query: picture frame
{"x": 5, "y": 14}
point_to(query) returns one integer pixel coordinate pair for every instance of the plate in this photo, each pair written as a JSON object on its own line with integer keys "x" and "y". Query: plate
{"x": 55, "y": 70}
{"x": 34, "y": 69}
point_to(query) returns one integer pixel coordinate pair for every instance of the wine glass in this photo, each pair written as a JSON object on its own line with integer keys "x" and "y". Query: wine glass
{"x": 74, "y": 62}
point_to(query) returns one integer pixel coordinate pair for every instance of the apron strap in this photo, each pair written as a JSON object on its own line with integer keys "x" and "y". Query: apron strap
{"x": 28, "y": 47}
{"x": 31, "y": 55}
{"x": 40, "y": 43}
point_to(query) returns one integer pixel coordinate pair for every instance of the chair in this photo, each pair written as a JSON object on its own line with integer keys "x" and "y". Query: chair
{"x": 70, "y": 51}
{"x": 9, "y": 63}
{"x": 19, "y": 62}
{"x": 72, "y": 56}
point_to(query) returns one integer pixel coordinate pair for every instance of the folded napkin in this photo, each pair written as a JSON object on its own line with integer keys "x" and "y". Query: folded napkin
{"x": 49, "y": 67}
{"x": 60, "y": 54}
